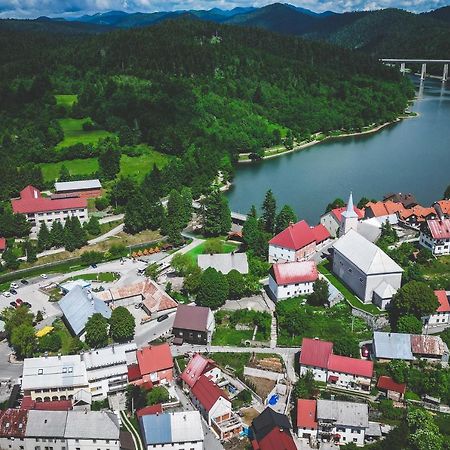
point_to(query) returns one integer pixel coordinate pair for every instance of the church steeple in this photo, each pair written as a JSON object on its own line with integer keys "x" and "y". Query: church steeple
{"x": 349, "y": 220}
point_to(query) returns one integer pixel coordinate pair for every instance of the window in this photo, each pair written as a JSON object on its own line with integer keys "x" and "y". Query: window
{"x": 350, "y": 270}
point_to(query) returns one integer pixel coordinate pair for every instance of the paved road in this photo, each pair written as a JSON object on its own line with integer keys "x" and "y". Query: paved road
{"x": 110, "y": 233}
{"x": 8, "y": 370}
{"x": 108, "y": 219}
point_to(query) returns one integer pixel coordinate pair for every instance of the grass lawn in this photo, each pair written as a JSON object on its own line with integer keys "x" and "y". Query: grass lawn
{"x": 324, "y": 269}
{"x": 228, "y": 247}
{"x": 235, "y": 360}
{"x": 64, "y": 333}
{"x": 66, "y": 100}
{"x": 74, "y": 133}
{"x": 227, "y": 336}
{"x": 105, "y": 277}
{"x": 50, "y": 171}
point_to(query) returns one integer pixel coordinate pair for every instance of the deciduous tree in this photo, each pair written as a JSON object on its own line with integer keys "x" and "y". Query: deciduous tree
{"x": 319, "y": 296}
{"x": 23, "y": 340}
{"x": 122, "y": 325}
{"x": 213, "y": 289}
{"x": 236, "y": 284}
{"x": 409, "y": 324}
{"x": 96, "y": 331}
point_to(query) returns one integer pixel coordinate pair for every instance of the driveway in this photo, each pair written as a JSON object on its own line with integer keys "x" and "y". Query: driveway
{"x": 8, "y": 370}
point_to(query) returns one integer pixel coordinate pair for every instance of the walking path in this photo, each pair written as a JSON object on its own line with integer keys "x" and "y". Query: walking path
{"x": 130, "y": 428}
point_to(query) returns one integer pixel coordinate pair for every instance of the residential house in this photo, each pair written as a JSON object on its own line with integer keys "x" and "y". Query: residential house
{"x": 403, "y": 346}
{"x": 72, "y": 430}
{"x": 224, "y": 262}
{"x": 393, "y": 390}
{"x": 81, "y": 188}
{"x": 387, "y": 210}
{"x": 346, "y": 373}
{"x": 297, "y": 242}
{"x": 3, "y": 244}
{"x": 287, "y": 280}
{"x": 332, "y": 220}
{"x": 407, "y": 200}
{"x": 97, "y": 372}
{"x": 78, "y": 305}
{"x": 369, "y": 272}
{"x": 271, "y": 430}
{"x": 342, "y": 422}
{"x": 175, "y": 431}
{"x": 417, "y": 215}
{"x": 441, "y": 317}
{"x": 155, "y": 302}
{"x": 56, "y": 405}
{"x": 155, "y": 364}
{"x": 442, "y": 207}
{"x": 215, "y": 407}
{"x": 148, "y": 410}
{"x": 39, "y": 210}
{"x": 197, "y": 366}
{"x": 435, "y": 236}
{"x": 193, "y": 325}
{"x": 13, "y": 423}
{"x": 306, "y": 419}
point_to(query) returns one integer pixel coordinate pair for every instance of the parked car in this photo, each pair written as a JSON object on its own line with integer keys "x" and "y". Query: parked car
{"x": 7, "y": 294}
{"x": 13, "y": 304}
{"x": 365, "y": 351}
{"x": 94, "y": 266}
{"x": 163, "y": 317}
{"x": 44, "y": 276}
{"x": 28, "y": 305}
{"x": 19, "y": 301}
{"x": 14, "y": 286}
{"x": 13, "y": 291}
{"x": 24, "y": 281}
{"x": 138, "y": 305}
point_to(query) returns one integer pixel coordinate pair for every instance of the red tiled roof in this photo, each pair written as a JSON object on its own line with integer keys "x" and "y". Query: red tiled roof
{"x": 195, "y": 368}
{"x": 439, "y": 229}
{"x": 276, "y": 439}
{"x": 320, "y": 233}
{"x": 154, "y": 358}
{"x": 445, "y": 206}
{"x": 419, "y": 211}
{"x": 13, "y": 423}
{"x": 55, "y": 405}
{"x": 306, "y": 413}
{"x": 295, "y": 236}
{"x": 149, "y": 410}
{"x": 315, "y": 352}
{"x": 294, "y": 272}
{"x": 444, "y": 305}
{"x": 2, "y": 243}
{"x": 384, "y": 208}
{"x": 385, "y": 382}
{"x": 337, "y": 212}
{"x": 31, "y": 201}
{"x": 133, "y": 372}
{"x": 207, "y": 392}
{"x": 352, "y": 366}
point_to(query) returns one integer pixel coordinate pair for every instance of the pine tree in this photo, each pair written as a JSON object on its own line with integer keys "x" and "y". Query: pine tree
{"x": 57, "y": 234}
{"x": 269, "y": 208}
{"x": 284, "y": 218}
{"x": 215, "y": 214}
{"x": 93, "y": 226}
{"x": 79, "y": 233}
{"x": 69, "y": 240}
{"x": 64, "y": 174}
{"x": 30, "y": 251}
{"x": 44, "y": 238}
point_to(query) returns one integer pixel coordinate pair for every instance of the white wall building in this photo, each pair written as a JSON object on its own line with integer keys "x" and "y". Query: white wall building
{"x": 441, "y": 318}
{"x": 435, "y": 236}
{"x": 366, "y": 269}
{"x": 292, "y": 279}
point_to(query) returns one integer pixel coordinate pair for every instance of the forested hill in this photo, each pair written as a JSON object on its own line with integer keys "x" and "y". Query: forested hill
{"x": 188, "y": 88}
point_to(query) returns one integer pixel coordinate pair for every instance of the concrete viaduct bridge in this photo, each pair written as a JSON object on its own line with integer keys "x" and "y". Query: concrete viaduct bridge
{"x": 424, "y": 63}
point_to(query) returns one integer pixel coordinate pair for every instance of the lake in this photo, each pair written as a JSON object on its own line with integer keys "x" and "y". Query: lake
{"x": 409, "y": 156}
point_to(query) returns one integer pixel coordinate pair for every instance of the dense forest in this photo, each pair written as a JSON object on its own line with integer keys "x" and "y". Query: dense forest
{"x": 197, "y": 90}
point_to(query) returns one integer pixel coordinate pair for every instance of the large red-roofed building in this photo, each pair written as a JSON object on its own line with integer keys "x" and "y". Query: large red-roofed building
{"x": 292, "y": 279}
{"x": 39, "y": 209}
{"x": 342, "y": 371}
{"x": 155, "y": 365}
{"x": 297, "y": 242}
{"x": 435, "y": 236}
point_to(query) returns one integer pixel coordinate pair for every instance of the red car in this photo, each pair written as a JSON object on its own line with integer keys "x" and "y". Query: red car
{"x": 365, "y": 351}
{"x": 19, "y": 301}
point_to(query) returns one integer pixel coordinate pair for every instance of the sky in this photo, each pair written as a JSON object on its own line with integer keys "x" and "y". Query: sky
{"x": 75, "y": 8}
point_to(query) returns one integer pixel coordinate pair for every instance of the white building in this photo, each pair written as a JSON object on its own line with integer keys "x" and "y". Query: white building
{"x": 306, "y": 419}
{"x": 175, "y": 431}
{"x": 369, "y": 272}
{"x": 342, "y": 422}
{"x": 100, "y": 372}
{"x": 435, "y": 236}
{"x": 39, "y": 210}
{"x": 72, "y": 430}
{"x": 441, "y": 318}
{"x": 292, "y": 279}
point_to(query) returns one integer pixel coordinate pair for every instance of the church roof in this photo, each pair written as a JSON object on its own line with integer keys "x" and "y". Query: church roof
{"x": 350, "y": 211}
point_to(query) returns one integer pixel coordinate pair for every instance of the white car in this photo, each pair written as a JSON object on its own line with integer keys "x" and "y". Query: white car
{"x": 44, "y": 276}
{"x": 14, "y": 286}
{"x": 7, "y": 294}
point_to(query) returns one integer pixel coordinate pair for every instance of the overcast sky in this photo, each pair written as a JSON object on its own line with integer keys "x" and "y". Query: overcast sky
{"x": 35, "y": 8}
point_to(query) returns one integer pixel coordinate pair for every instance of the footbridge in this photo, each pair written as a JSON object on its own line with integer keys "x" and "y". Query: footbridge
{"x": 423, "y": 62}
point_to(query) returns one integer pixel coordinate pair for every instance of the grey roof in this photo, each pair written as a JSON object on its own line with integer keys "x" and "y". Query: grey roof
{"x": 224, "y": 262}
{"x": 183, "y": 426}
{"x": 374, "y": 429}
{"x": 53, "y": 372}
{"x": 83, "y": 397}
{"x": 343, "y": 413}
{"x": 384, "y": 290}
{"x": 46, "y": 424}
{"x": 369, "y": 258}
{"x": 108, "y": 356}
{"x": 69, "y": 285}
{"x": 92, "y": 425}
{"x": 78, "y": 305}
{"x": 392, "y": 345}
{"x": 77, "y": 185}
{"x": 2, "y": 326}
{"x": 369, "y": 230}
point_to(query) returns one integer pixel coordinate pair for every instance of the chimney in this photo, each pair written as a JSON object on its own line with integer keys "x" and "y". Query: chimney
{"x": 35, "y": 193}
{"x": 291, "y": 224}
{"x": 59, "y": 355}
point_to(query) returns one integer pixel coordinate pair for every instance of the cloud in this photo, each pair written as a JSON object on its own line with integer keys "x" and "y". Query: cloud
{"x": 62, "y": 8}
